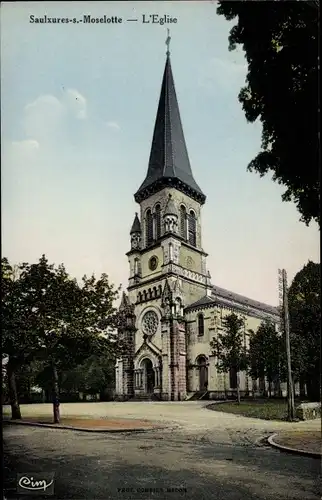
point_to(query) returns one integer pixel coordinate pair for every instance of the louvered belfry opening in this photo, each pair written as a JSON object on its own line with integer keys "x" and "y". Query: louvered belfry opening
{"x": 149, "y": 228}
{"x": 192, "y": 229}
{"x": 183, "y": 222}
{"x": 158, "y": 222}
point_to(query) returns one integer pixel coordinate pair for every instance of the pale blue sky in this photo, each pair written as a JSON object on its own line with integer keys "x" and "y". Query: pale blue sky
{"x": 78, "y": 104}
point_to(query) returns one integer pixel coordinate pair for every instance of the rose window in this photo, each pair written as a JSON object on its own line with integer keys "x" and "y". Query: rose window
{"x": 150, "y": 323}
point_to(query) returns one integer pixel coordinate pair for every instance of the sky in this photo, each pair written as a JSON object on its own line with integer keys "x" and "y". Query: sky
{"x": 78, "y": 104}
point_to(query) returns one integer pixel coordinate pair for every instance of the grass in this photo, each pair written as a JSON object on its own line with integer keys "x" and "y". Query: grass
{"x": 265, "y": 409}
{"x": 309, "y": 441}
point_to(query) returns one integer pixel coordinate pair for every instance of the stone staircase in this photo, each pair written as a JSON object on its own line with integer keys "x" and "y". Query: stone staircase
{"x": 199, "y": 395}
{"x": 145, "y": 397}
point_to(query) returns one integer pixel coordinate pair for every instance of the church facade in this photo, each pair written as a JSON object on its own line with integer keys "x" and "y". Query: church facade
{"x": 172, "y": 310}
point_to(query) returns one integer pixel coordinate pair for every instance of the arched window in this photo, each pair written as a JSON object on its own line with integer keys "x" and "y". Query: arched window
{"x": 157, "y": 222}
{"x": 233, "y": 378}
{"x": 201, "y": 325}
{"x": 183, "y": 222}
{"x": 192, "y": 225}
{"x": 149, "y": 228}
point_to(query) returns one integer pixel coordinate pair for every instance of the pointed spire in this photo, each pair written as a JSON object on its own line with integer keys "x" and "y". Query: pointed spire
{"x": 166, "y": 294}
{"x": 124, "y": 302}
{"x": 136, "y": 226}
{"x": 177, "y": 289}
{"x": 170, "y": 208}
{"x": 169, "y": 163}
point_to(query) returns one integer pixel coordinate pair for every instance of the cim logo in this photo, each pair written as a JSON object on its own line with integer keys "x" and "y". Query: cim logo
{"x": 35, "y": 482}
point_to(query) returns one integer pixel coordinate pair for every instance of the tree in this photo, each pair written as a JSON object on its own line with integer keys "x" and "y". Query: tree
{"x": 280, "y": 40}
{"x": 16, "y": 340}
{"x": 229, "y": 348}
{"x": 256, "y": 366}
{"x": 69, "y": 322}
{"x": 304, "y": 297}
{"x": 48, "y": 316}
{"x": 264, "y": 354}
{"x": 93, "y": 376}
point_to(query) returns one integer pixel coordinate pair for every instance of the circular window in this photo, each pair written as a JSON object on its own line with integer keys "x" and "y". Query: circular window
{"x": 150, "y": 323}
{"x": 153, "y": 263}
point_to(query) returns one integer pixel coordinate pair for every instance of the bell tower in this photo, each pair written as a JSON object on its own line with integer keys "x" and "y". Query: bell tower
{"x": 166, "y": 259}
{"x": 169, "y": 229}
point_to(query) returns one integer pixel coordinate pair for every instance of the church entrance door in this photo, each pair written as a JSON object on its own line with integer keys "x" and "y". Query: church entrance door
{"x": 149, "y": 376}
{"x": 203, "y": 373}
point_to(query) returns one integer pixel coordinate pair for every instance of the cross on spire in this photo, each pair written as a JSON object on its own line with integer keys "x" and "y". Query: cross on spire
{"x": 167, "y": 42}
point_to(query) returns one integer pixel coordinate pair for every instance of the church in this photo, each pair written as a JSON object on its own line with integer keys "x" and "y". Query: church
{"x": 172, "y": 310}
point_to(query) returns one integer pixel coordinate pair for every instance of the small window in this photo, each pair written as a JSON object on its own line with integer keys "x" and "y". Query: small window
{"x": 192, "y": 229}
{"x": 201, "y": 325}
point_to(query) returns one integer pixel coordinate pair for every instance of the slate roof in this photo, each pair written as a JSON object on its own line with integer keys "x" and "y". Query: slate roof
{"x": 230, "y": 299}
{"x": 226, "y": 294}
{"x": 136, "y": 226}
{"x": 204, "y": 301}
{"x": 169, "y": 163}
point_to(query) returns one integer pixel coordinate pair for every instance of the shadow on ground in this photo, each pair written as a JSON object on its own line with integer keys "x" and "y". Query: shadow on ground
{"x": 145, "y": 467}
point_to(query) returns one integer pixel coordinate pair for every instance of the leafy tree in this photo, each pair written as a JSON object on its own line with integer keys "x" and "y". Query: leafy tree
{"x": 36, "y": 373}
{"x": 304, "y": 297}
{"x": 69, "y": 322}
{"x": 280, "y": 40}
{"x": 264, "y": 353}
{"x": 256, "y": 366}
{"x": 99, "y": 373}
{"x": 16, "y": 340}
{"x": 93, "y": 376}
{"x": 48, "y": 316}
{"x": 229, "y": 348}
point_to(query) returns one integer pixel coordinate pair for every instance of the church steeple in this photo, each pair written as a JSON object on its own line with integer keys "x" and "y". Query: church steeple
{"x": 169, "y": 163}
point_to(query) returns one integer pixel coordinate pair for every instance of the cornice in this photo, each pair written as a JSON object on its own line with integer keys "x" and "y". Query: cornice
{"x": 160, "y": 278}
{"x": 156, "y": 244}
{"x": 173, "y": 182}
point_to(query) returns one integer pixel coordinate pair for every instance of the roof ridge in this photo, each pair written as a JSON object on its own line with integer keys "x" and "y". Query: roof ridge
{"x": 243, "y": 297}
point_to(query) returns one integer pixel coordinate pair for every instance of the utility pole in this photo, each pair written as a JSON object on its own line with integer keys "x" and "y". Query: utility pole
{"x": 285, "y": 329}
